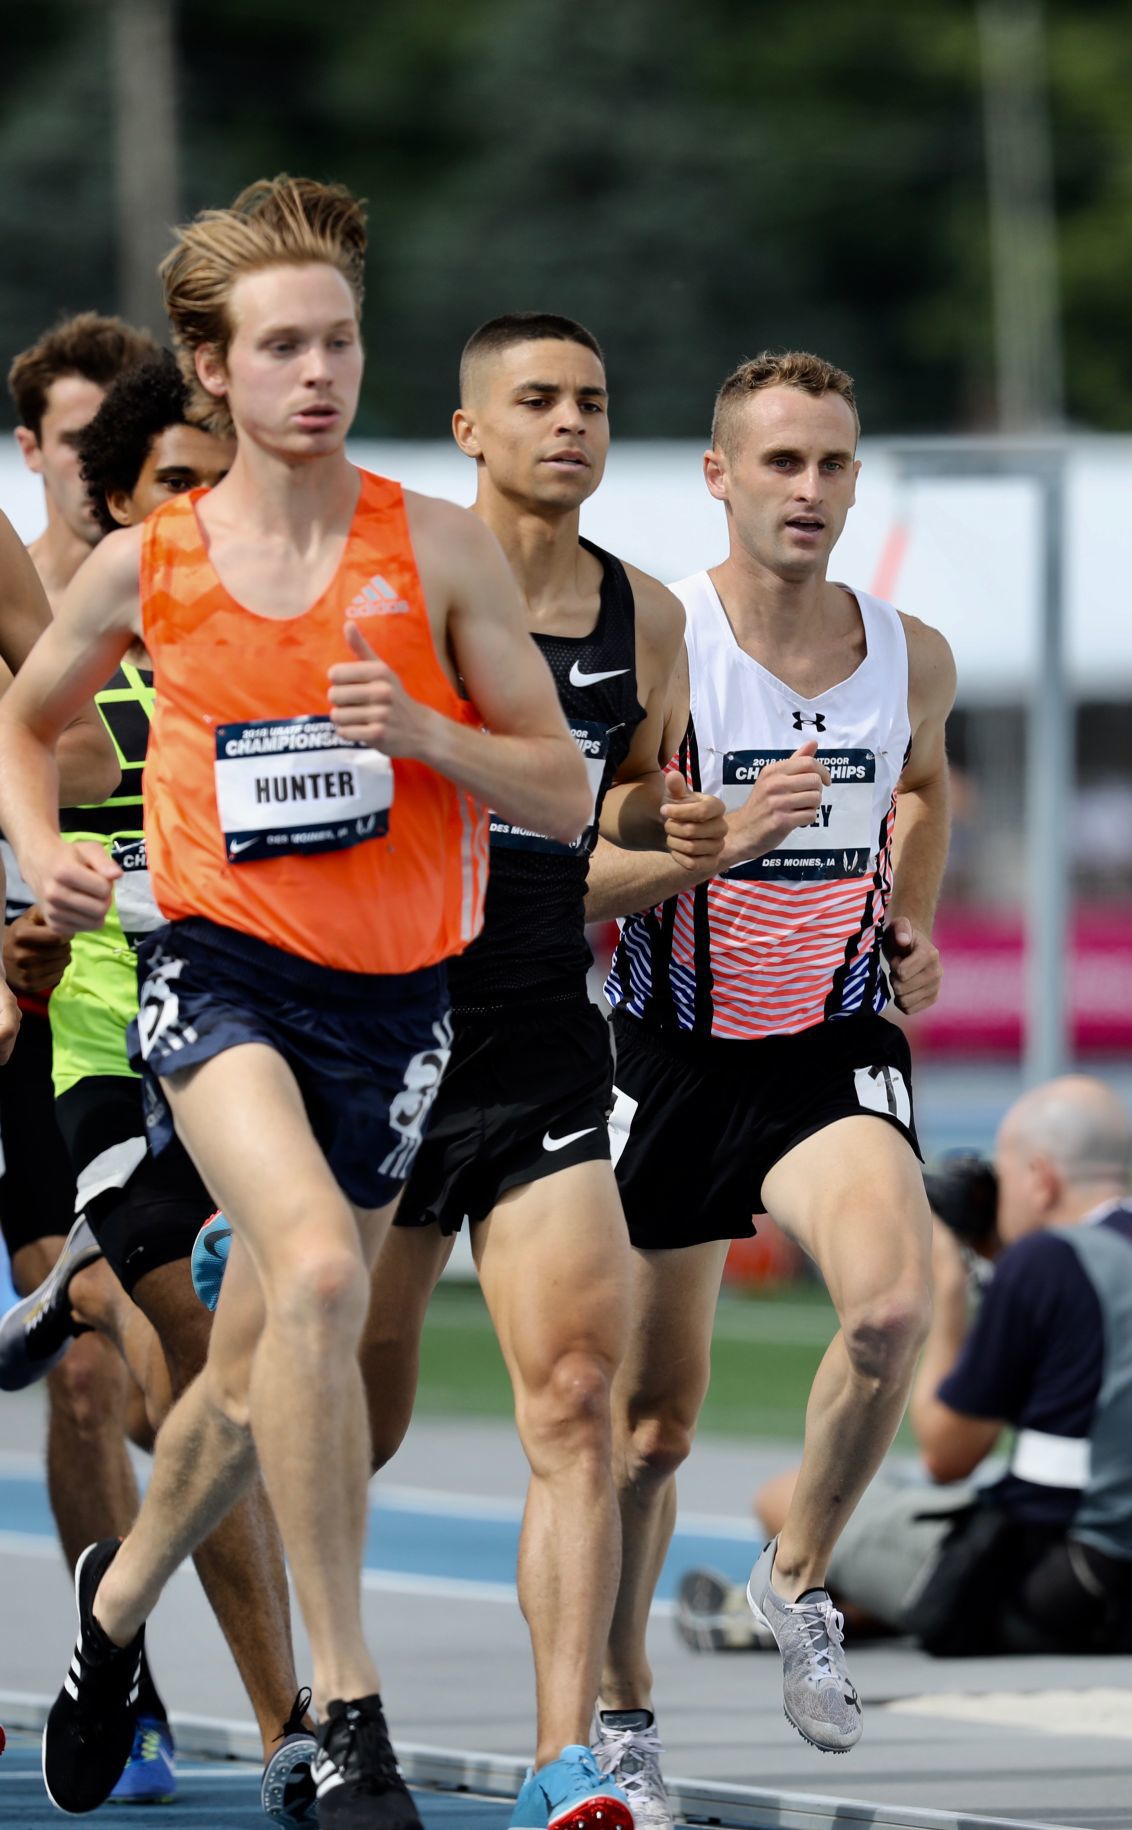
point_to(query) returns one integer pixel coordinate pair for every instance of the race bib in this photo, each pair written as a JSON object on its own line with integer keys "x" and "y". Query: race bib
{"x": 593, "y": 741}
{"x": 840, "y": 842}
{"x": 295, "y": 785}
{"x": 133, "y": 892}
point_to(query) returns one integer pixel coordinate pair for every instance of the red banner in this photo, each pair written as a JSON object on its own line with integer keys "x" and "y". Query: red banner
{"x": 982, "y": 1005}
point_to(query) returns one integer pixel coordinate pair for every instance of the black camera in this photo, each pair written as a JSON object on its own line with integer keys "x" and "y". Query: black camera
{"x": 963, "y": 1191}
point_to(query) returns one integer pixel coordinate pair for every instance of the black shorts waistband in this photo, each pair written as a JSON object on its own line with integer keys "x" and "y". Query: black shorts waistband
{"x": 383, "y": 990}
{"x": 694, "y": 1045}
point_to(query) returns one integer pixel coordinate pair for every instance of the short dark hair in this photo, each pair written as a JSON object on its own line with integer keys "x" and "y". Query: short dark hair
{"x": 96, "y": 348}
{"x": 793, "y": 368}
{"x": 114, "y": 447}
{"x": 524, "y": 327}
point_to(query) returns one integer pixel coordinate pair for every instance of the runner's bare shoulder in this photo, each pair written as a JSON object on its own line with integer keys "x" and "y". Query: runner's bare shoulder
{"x": 931, "y": 666}
{"x": 105, "y": 592}
{"x": 452, "y": 546}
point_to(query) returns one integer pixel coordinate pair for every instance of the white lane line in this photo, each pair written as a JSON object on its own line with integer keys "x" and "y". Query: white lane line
{"x": 510, "y": 1511}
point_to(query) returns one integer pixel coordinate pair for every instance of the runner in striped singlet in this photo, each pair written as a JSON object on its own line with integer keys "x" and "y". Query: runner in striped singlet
{"x": 755, "y": 1070}
{"x": 315, "y": 793}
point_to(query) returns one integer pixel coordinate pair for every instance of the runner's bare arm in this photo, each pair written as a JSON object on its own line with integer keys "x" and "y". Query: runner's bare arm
{"x": 88, "y": 766}
{"x": 622, "y": 882}
{"x": 645, "y": 809}
{"x": 923, "y": 823}
{"x": 786, "y": 795}
{"x": 78, "y": 652}
{"x": 525, "y": 765}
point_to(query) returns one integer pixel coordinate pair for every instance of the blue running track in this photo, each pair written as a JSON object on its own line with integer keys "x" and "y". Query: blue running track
{"x": 433, "y": 1542}
{"x": 211, "y": 1795}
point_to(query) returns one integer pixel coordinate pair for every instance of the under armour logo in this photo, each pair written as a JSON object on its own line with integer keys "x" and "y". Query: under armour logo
{"x": 817, "y": 719}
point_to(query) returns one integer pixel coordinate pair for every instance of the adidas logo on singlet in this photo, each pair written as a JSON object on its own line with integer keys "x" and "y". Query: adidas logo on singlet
{"x": 378, "y": 598}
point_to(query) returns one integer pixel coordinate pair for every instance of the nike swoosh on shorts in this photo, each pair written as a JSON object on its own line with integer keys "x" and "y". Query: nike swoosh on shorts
{"x": 560, "y": 1143}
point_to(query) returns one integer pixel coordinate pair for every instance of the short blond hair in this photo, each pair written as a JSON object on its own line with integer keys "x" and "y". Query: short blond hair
{"x": 275, "y": 222}
{"x": 794, "y": 368}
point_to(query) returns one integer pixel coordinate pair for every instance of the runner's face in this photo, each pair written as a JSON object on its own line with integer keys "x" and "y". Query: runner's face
{"x": 294, "y": 364}
{"x": 180, "y": 458}
{"x": 791, "y": 480}
{"x": 540, "y": 422}
{"x": 72, "y": 403}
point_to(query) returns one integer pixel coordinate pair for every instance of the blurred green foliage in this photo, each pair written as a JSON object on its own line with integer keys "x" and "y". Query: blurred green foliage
{"x": 694, "y": 181}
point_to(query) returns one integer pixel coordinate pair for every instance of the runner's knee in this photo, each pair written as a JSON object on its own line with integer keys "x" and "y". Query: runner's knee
{"x": 89, "y": 1386}
{"x": 884, "y": 1332}
{"x": 572, "y": 1405}
{"x": 657, "y": 1445}
{"x": 325, "y": 1287}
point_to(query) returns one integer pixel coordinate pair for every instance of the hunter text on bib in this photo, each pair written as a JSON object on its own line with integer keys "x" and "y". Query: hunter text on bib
{"x": 295, "y": 785}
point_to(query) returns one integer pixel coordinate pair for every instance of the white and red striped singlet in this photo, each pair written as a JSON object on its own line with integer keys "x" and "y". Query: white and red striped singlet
{"x": 793, "y": 938}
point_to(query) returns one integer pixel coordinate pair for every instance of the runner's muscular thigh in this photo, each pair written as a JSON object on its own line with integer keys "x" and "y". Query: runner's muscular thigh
{"x": 554, "y": 1263}
{"x": 852, "y": 1196}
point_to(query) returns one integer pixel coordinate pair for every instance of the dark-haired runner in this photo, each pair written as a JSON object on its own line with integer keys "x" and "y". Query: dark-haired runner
{"x": 519, "y": 1142}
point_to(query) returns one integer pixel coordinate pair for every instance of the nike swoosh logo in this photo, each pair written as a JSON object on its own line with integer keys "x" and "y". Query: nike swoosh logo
{"x": 214, "y": 1241}
{"x": 578, "y": 678}
{"x": 560, "y": 1143}
{"x": 238, "y": 845}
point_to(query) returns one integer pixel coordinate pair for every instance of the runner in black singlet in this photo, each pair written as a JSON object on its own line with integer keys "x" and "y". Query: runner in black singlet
{"x": 518, "y": 1143}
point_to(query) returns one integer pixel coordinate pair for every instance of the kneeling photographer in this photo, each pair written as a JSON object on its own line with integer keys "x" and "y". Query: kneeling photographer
{"x": 1039, "y": 1560}
{"x": 1042, "y": 1560}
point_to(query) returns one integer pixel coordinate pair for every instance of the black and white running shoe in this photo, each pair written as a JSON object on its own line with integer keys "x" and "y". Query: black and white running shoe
{"x": 36, "y": 1332}
{"x": 287, "y": 1789}
{"x": 355, "y": 1771}
{"x": 90, "y": 1730}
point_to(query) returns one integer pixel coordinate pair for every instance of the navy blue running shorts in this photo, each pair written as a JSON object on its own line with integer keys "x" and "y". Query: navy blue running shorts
{"x": 366, "y": 1049}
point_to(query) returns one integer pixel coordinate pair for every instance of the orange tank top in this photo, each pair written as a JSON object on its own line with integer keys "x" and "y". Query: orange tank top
{"x": 258, "y": 816}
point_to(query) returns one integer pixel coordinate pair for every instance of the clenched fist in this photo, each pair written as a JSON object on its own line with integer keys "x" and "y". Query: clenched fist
{"x": 914, "y": 966}
{"x": 74, "y": 884}
{"x": 35, "y": 957}
{"x": 695, "y": 825}
{"x": 787, "y": 795}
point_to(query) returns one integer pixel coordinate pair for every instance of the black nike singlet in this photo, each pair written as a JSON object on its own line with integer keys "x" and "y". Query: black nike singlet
{"x": 533, "y": 945}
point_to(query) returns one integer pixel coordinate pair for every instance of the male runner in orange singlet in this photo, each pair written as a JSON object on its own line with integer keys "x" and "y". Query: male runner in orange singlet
{"x": 319, "y": 853}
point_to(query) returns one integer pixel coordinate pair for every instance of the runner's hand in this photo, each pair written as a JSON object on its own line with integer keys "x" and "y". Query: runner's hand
{"x": 9, "y": 1022}
{"x": 35, "y": 958}
{"x": 695, "y": 825}
{"x": 787, "y": 795}
{"x": 74, "y": 885}
{"x": 369, "y": 705}
{"x": 916, "y": 970}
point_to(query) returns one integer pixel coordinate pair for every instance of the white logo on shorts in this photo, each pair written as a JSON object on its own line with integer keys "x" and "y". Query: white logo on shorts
{"x": 560, "y": 1143}
{"x": 883, "y": 1089}
{"x": 621, "y": 1123}
{"x": 409, "y": 1110}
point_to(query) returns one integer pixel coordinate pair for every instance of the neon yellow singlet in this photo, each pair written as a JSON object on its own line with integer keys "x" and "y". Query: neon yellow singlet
{"x": 97, "y": 997}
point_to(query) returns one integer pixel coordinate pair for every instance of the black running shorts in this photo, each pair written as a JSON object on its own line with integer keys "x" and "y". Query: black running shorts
{"x": 37, "y": 1189}
{"x": 526, "y": 1094}
{"x": 145, "y": 1211}
{"x": 698, "y": 1122}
